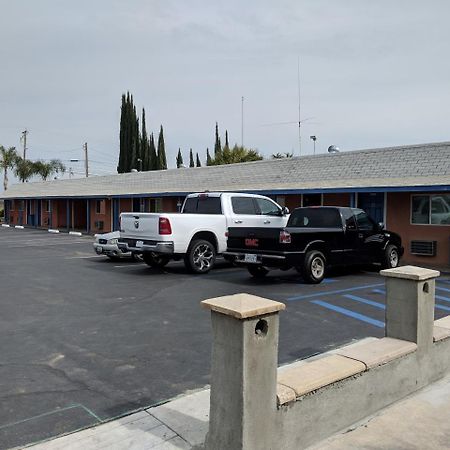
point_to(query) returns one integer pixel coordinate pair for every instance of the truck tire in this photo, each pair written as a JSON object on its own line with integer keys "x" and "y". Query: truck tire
{"x": 391, "y": 257}
{"x": 257, "y": 271}
{"x": 200, "y": 257}
{"x": 155, "y": 260}
{"x": 313, "y": 268}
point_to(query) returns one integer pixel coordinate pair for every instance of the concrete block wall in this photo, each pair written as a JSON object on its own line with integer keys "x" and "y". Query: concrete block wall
{"x": 254, "y": 406}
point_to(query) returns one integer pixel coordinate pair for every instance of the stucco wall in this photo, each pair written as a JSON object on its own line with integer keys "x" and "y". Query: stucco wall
{"x": 398, "y": 219}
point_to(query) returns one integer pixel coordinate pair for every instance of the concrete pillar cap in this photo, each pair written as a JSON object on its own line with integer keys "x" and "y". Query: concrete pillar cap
{"x": 411, "y": 273}
{"x": 243, "y": 306}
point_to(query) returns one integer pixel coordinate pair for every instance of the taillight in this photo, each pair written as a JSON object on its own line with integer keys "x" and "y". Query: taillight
{"x": 164, "y": 226}
{"x": 285, "y": 237}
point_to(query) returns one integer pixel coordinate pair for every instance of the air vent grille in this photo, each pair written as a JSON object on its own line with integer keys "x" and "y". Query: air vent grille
{"x": 423, "y": 248}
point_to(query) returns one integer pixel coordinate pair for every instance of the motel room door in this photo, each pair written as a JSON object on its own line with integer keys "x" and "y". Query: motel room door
{"x": 373, "y": 204}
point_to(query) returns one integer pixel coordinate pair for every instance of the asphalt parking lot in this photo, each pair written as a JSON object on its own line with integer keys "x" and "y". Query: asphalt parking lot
{"x": 84, "y": 339}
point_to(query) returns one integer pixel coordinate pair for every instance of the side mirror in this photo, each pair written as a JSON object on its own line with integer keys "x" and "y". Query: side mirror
{"x": 284, "y": 211}
{"x": 380, "y": 226}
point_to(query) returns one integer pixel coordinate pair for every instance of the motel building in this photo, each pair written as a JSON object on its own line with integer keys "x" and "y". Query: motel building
{"x": 407, "y": 188}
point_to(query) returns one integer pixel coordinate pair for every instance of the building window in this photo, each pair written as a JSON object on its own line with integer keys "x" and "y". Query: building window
{"x": 21, "y": 205}
{"x": 47, "y": 206}
{"x": 100, "y": 206}
{"x": 12, "y": 205}
{"x": 312, "y": 199}
{"x": 430, "y": 209}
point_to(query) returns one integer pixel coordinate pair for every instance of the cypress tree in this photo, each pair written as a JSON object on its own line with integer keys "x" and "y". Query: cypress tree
{"x": 179, "y": 159}
{"x": 122, "y": 134}
{"x": 162, "y": 160}
{"x": 217, "y": 147}
{"x": 153, "y": 157}
{"x": 208, "y": 158}
{"x": 191, "y": 159}
{"x": 145, "y": 146}
{"x": 226, "y": 139}
{"x": 199, "y": 164}
{"x": 134, "y": 139}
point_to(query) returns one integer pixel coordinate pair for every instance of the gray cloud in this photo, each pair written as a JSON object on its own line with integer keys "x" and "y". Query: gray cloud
{"x": 372, "y": 73}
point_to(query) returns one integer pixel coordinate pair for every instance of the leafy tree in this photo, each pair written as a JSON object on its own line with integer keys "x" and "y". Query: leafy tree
{"x": 237, "y": 154}
{"x": 162, "y": 160}
{"x": 24, "y": 169}
{"x": 129, "y": 135}
{"x": 208, "y": 158}
{"x": 217, "y": 145}
{"x": 180, "y": 162}
{"x": 8, "y": 158}
{"x": 145, "y": 145}
{"x": 198, "y": 163}
{"x": 191, "y": 159}
{"x": 46, "y": 169}
{"x": 153, "y": 157}
{"x": 282, "y": 155}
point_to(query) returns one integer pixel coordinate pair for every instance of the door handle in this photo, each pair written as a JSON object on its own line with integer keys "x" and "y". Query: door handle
{"x": 238, "y": 221}
{"x": 267, "y": 221}
{"x": 360, "y": 235}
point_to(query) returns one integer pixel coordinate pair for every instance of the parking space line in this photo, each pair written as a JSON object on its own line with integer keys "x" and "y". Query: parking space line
{"x": 340, "y": 291}
{"x": 442, "y": 307}
{"x": 365, "y": 301}
{"x": 349, "y": 313}
{"x": 441, "y": 297}
{"x": 438, "y": 288}
{"x": 379, "y": 291}
{"x": 49, "y": 413}
{"x": 84, "y": 257}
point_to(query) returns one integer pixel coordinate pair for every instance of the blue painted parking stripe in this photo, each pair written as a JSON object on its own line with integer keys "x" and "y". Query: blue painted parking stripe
{"x": 328, "y": 280}
{"x": 349, "y": 313}
{"x": 365, "y": 301}
{"x": 440, "y": 297}
{"x": 442, "y": 289}
{"x": 340, "y": 291}
{"x": 379, "y": 291}
{"x": 444, "y": 308}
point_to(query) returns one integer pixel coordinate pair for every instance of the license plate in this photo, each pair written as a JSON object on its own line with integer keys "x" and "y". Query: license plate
{"x": 250, "y": 258}
{"x": 139, "y": 243}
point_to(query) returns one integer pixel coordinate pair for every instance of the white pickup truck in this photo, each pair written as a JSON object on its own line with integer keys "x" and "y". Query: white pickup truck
{"x": 199, "y": 232}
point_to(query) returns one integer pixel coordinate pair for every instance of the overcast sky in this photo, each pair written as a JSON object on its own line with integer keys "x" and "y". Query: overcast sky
{"x": 372, "y": 74}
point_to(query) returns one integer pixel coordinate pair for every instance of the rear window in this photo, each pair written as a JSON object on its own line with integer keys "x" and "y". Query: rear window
{"x": 202, "y": 205}
{"x": 315, "y": 218}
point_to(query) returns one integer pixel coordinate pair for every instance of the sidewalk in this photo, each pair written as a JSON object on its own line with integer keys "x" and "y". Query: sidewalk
{"x": 420, "y": 421}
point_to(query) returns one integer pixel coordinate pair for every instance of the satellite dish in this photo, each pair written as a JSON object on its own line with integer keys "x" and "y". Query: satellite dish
{"x": 333, "y": 149}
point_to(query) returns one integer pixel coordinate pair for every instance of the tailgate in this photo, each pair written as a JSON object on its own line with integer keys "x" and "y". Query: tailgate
{"x": 255, "y": 240}
{"x": 140, "y": 225}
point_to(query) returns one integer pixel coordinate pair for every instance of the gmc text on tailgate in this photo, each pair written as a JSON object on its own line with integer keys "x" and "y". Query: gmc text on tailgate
{"x": 314, "y": 239}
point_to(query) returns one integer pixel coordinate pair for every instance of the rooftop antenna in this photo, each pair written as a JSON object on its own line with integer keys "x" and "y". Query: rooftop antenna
{"x": 300, "y": 121}
{"x": 299, "y": 110}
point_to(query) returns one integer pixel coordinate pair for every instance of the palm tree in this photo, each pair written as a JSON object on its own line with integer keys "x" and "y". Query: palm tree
{"x": 8, "y": 159}
{"x": 46, "y": 170}
{"x": 24, "y": 169}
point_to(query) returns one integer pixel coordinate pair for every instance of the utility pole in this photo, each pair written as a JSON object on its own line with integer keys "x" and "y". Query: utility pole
{"x": 299, "y": 111}
{"x": 86, "y": 159}
{"x": 24, "y": 140}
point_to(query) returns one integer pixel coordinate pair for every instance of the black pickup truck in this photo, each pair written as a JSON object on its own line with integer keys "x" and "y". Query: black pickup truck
{"x": 313, "y": 239}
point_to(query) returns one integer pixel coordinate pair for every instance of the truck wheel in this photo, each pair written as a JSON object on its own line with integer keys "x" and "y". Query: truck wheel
{"x": 391, "y": 257}
{"x": 200, "y": 257}
{"x": 137, "y": 257}
{"x": 155, "y": 260}
{"x": 313, "y": 268}
{"x": 257, "y": 271}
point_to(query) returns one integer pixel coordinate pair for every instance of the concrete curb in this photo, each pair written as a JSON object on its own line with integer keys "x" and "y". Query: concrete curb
{"x": 53, "y": 231}
{"x": 19, "y": 227}
{"x": 5, "y": 225}
{"x": 75, "y": 233}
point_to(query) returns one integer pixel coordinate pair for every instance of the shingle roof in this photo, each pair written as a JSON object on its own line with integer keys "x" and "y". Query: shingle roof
{"x": 413, "y": 165}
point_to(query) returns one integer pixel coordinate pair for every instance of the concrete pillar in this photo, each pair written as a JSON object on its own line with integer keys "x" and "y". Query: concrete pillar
{"x": 243, "y": 372}
{"x": 410, "y": 304}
